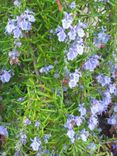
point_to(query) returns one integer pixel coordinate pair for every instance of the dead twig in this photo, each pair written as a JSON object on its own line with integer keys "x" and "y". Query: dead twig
{"x": 59, "y": 5}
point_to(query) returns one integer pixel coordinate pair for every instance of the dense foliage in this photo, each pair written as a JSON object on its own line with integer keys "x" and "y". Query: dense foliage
{"x": 58, "y": 77}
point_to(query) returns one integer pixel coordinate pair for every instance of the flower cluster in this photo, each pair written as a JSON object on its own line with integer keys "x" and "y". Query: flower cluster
{"x": 74, "y": 78}
{"x": 101, "y": 39}
{"x": 93, "y": 121}
{"x": 70, "y": 123}
{"x": 20, "y": 24}
{"x": 73, "y": 34}
{"x": 80, "y": 92}
{"x": 75, "y": 121}
{"x": 103, "y": 80}
{"x": 91, "y": 63}
{"x": 36, "y": 143}
{"x": 23, "y": 138}
{"x": 5, "y": 76}
{"x": 17, "y": 27}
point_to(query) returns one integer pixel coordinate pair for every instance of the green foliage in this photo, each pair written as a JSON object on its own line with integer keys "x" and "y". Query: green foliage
{"x": 44, "y": 98}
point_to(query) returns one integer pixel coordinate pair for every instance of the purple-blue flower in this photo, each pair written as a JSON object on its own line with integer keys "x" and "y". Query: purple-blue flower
{"x": 17, "y": 3}
{"x": 3, "y": 131}
{"x": 93, "y": 121}
{"x": 106, "y": 98}
{"x": 36, "y": 143}
{"x": 67, "y": 20}
{"x": 5, "y": 76}
{"x": 112, "y": 120}
{"x": 82, "y": 110}
{"x": 74, "y": 50}
{"x": 23, "y": 138}
{"x": 102, "y": 38}
{"x": 20, "y": 24}
{"x": 112, "y": 88}
{"x": 74, "y": 78}
{"x": 71, "y": 135}
{"x": 17, "y": 33}
{"x": 97, "y": 107}
{"x": 46, "y": 69}
{"x": 84, "y": 134}
{"x": 37, "y": 124}
{"x": 72, "y": 33}
{"x": 115, "y": 108}
{"x": 91, "y": 63}
{"x": 13, "y": 54}
{"x": 80, "y": 32}
{"x": 27, "y": 122}
{"x": 72, "y": 5}
{"x": 103, "y": 80}
{"x": 11, "y": 25}
{"x": 46, "y": 137}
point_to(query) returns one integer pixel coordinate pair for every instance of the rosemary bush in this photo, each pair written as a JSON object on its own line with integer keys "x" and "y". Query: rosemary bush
{"x": 58, "y": 77}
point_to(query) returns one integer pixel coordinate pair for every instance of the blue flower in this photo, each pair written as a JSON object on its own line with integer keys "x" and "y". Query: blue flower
{"x": 112, "y": 120}
{"x": 27, "y": 122}
{"x": 84, "y": 134}
{"x": 37, "y": 124}
{"x": 103, "y": 80}
{"x": 17, "y": 153}
{"x": 115, "y": 92}
{"x": 74, "y": 78}
{"x": 112, "y": 88}
{"x": 22, "y": 22}
{"x": 102, "y": 38}
{"x": 61, "y": 34}
{"x": 46, "y": 69}
{"x": 74, "y": 50}
{"x": 11, "y": 25}
{"x": 82, "y": 110}
{"x": 36, "y": 143}
{"x": 72, "y": 33}
{"x": 17, "y": 33}
{"x": 78, "y": 120}
{"x": 13, "y": 54}
{"x": 72, "y": 5}
{"x": 91, "y": 63}
{"x": 115, "y": 108}
{"x": 17, "y": 3}
{"x": 93, "y": 121}
{"x": 46, "y": 137}
{"x": 70, "y": 122}
{"x": 97, "y": 107}
{"x": 67, "y": 20}
{"x": 5, "y": 76}
{"x": 17, "y": 43}
{"x": 23, "y": 138}
{"x": 106, "y": 98}
{"x": 3, "y": 131}
{"x": 80, "y": 32}
{"x": 71, "y": 135}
